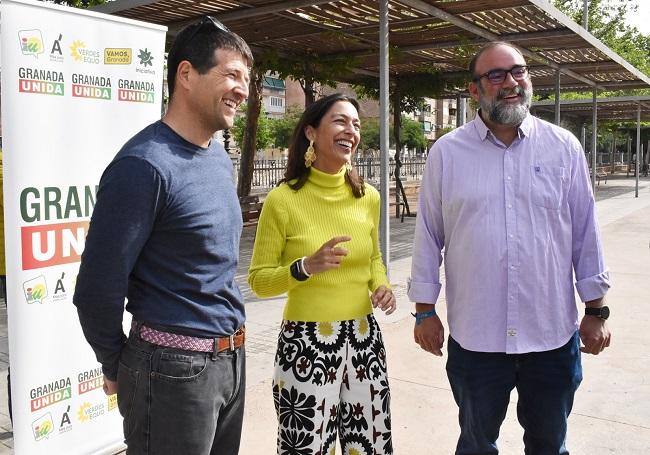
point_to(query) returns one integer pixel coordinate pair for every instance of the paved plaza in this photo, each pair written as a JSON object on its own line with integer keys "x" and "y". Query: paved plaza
{"x": 611, "y": 414}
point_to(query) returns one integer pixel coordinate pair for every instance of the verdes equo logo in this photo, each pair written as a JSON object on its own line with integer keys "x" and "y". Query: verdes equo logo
{"x": 31, "y": 42}
{"x": 80, "y": 53}
{"x": 89, "y": 411}
{"x": 35, "y": 290}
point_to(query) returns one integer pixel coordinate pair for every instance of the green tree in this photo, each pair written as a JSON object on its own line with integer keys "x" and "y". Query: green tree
{"x": 442, "y": 131}
{"x": 607, "y": 23}
{"x": 264, "y": 130}
{"x": 370, "y": 135}
{"x": 412, "y": 134}
{"x": 310, "y": 70}
{"x": 78, "y": 3}
{"x": 282, "y": 128}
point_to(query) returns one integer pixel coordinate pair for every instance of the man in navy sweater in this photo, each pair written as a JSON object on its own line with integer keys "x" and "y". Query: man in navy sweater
{"x": 165, "y": 235}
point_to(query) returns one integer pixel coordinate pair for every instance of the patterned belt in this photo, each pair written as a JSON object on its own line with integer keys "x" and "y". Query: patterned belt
{"x": 190, "y": 343}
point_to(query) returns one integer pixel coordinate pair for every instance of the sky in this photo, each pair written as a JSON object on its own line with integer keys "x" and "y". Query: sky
{"x": 640, "y": 19}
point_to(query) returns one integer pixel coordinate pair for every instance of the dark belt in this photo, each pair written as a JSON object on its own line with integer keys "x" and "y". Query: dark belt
{"x": 190, "y": 343}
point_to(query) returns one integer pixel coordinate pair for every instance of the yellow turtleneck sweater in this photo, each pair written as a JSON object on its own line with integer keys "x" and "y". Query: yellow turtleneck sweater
{"x": 294, "y": 224}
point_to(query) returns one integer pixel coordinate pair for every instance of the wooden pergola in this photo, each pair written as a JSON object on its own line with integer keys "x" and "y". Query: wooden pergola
{"x": 419, "y": 36}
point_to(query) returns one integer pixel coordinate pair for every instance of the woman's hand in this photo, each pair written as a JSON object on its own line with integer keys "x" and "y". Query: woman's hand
{"x": 383, "y": 299}
{"x": 328, "y": 256}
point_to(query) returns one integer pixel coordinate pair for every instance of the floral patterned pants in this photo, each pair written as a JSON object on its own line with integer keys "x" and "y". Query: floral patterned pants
{"x": 331, "y": 377}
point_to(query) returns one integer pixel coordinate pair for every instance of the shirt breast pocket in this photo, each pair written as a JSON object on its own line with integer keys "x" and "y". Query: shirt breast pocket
{"x": 547, "y": 186}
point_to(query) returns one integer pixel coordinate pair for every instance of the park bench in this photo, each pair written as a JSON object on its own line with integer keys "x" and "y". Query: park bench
{"x": 600, "y": 174}
{"x": 250, "y": 209}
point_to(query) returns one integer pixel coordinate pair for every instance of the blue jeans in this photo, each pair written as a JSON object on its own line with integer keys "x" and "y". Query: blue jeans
{"x": 180, "y": 402}
{"x": 546, "y": 383}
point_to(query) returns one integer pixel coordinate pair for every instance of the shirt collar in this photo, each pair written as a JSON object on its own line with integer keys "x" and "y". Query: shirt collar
{"x": 482, "y": 129}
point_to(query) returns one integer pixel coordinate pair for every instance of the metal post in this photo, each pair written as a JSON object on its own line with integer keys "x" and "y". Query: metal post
{"x": 613, "y": 157}
{"x": 629, "y": 155}
{"x": 594, "y": 137}
{"x": 638, "y": 148}
{"x": 557, "y": 96}
{"x": 462, "y": 109}
{"x": 585, "y": 15}
{"x": 458, "y": 121}
{"x": 583, "y": 137}
{"x": 384, "y": 223}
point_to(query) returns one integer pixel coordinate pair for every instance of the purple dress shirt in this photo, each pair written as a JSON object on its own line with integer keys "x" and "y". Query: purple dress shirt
{"x": 515, "y": 223}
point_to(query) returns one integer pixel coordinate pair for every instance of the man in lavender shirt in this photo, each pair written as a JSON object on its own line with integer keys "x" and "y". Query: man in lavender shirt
{"x": 507, "y": 196}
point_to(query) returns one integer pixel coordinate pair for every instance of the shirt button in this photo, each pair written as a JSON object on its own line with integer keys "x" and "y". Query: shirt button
{"x": 509, "y": 206}
{"x": 508, "y": 177}
{"x": 512, "y": 267}
{"x": 510, "y": 235}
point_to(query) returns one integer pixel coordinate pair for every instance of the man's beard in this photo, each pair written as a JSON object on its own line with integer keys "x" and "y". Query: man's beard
{"x": 504, "y": 113}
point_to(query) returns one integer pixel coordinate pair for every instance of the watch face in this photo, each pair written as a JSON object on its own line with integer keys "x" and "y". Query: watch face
{"x": 604, "y": 312}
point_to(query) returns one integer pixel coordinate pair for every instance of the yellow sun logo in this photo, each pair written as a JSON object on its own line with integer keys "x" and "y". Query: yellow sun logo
{"x": 74, "y": 49}
{"x": 81, "y": 415}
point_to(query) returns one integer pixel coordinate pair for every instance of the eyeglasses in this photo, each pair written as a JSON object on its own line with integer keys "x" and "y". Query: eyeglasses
{"x": 207, "y": 20}
{"x": 518, "y": 73}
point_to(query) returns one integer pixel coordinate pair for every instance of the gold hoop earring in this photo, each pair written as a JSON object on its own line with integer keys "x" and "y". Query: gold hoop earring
{"x": 310, "y": 155}
{"x": 348, "y": 167}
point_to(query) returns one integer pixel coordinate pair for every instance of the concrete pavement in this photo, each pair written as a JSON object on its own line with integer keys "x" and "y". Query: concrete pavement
{"x": 612, "y": 410}
{"x": 611, "y": 414}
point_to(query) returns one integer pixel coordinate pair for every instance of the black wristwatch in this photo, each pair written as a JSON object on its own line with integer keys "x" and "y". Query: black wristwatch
{"x": 600, "y": 312}
{"x": 297, "y": 271}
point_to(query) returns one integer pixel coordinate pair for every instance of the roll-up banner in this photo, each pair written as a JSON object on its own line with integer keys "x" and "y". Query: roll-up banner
{"x": 76, "y": 85}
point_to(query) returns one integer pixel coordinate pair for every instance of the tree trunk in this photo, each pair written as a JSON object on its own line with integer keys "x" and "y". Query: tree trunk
{"x": 310, "y": 91}
{"x": 248, "y": 146}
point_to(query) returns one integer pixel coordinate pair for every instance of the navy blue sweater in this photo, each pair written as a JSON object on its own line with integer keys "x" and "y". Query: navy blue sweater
{"x": 164, "y": 234}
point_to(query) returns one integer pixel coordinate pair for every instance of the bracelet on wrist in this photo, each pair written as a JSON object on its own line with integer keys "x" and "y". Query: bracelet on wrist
{"x": 302, "y": 267}
{"x": 419, "y": 317}
{"x": 297, "y": 272}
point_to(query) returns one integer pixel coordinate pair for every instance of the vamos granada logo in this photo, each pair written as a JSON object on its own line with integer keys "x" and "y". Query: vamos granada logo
{"x": 62, "y": 242}
{"x": 117, "y": 56}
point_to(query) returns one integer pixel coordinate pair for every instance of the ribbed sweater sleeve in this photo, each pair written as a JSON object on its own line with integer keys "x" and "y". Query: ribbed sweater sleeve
{"x": 267, "y": 276}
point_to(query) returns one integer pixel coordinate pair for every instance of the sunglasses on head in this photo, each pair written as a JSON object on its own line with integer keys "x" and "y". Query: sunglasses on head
{"x": 497, "y": 76}
{"x": 207, "y": 20}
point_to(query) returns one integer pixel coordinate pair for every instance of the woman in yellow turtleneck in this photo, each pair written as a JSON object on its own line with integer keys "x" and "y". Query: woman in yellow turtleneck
{"x": 317, "y": 240}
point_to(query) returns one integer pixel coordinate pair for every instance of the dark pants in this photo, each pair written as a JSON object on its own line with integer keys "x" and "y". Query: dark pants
{"x": 180, "y": 402}
{"x": 546, "y": 383}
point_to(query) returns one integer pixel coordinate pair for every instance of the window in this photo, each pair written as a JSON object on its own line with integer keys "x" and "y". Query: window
{"x": 275, "y": 101}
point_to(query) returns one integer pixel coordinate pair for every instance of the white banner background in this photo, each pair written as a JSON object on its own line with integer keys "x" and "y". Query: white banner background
{"x": 55, "y": 147}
